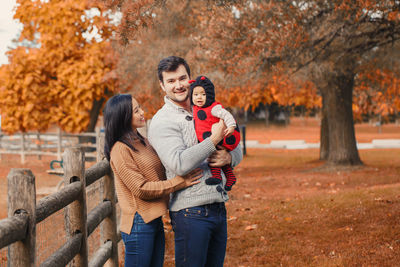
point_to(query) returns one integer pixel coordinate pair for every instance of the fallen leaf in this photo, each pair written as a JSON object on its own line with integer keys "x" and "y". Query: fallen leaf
{"x": 232, "y": 218}
{"x": 250, "y": 227}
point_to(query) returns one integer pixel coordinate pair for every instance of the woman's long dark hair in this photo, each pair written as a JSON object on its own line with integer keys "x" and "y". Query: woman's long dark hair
{"x": 118, "y": 123}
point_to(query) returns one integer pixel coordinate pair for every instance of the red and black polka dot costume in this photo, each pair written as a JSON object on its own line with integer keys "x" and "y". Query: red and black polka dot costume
{"x": 203, "y": 121}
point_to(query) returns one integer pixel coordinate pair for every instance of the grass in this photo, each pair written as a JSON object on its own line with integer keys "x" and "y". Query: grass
{"x": 284, "y": 212}
{"x": 287, "y": 211}
{"x": 348, "y": 229}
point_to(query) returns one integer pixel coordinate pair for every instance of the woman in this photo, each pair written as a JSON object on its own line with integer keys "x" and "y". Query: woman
{"x": 140, "y": 181}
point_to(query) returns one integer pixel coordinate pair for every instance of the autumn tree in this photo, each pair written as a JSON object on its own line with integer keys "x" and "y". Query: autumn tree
{"x": 169, "y": 31}
{"x": 176, "y": 28}
{"x": 137, "y": 68}
{"x": 67, "y": 76}
{"x": 377, "y": 86}
{"x": 259, "y": 48}
{"x": 324, "y": 40}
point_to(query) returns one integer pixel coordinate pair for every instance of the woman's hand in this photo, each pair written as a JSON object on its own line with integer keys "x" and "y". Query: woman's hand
{"x": 217, "y": 132}
{"x": 193, "y": 177}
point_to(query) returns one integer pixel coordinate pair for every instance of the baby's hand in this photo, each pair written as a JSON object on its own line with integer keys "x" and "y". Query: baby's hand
{"x": 229, "y": 131}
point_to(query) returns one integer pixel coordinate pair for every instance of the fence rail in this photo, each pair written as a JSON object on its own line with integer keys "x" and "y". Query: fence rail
{"x": 13, "y": 229}
{"x": 18, "y": 230}
{"x": 45, "y": 144}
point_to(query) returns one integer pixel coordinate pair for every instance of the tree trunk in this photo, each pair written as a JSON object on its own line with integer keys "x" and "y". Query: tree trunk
{"x": 266, "y": 109}
{"x": 94, "y": 115}
{"x": 287, "y": 115}
{"x": 342, "y": 148}
{"x": 324, "y": 132}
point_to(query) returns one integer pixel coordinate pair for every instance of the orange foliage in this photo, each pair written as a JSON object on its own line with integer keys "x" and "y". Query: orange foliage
{"x": 248, "y": 48}
{"x": 378, "y": 92}
{"x": 170, "y": 34}
{"x": 136, "y": 15}
{"x": 263, "y": 41}
{"x": 280, "y": 89}
{"x": 57, "y": 80}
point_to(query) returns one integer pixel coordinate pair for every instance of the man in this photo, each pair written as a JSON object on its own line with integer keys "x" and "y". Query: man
{"x": 198, "y": 214}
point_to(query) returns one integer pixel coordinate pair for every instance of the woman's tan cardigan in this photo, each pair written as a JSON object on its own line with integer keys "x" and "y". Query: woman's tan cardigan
{"x": 140, "y": 183}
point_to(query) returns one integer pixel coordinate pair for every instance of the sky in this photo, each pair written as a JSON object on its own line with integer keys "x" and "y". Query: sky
{"x": 9, "y": 28}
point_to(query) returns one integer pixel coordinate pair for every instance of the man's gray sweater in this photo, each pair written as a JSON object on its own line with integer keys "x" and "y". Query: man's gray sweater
{"x": 173, "y": 137}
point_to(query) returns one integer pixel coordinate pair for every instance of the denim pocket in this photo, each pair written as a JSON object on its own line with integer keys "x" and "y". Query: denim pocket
{"x": 194, "y": 212}
{"x": 123, "y": 236}
{"x": 132, "y": 237}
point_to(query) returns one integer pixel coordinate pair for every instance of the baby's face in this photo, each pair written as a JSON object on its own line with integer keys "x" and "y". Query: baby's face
{"x": 199, "y": 96}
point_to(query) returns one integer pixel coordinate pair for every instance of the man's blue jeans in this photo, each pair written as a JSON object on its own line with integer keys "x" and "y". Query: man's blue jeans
{"x": 200, "y": 235}
{"x": 145, "y": 245}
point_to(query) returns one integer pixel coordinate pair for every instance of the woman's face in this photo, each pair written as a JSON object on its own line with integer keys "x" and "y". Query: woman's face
{"x": 137, "y": 115}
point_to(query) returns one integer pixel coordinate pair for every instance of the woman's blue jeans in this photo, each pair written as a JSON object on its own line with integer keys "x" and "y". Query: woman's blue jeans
{"x": 145, "y": 245}
{"x": 200, "y": 235}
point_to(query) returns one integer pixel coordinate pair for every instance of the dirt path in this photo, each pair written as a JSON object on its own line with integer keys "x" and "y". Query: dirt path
{"x": 308, "y": 129}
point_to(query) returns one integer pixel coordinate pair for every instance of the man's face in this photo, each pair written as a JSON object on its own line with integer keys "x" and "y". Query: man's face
{"x": 176, "y": 85}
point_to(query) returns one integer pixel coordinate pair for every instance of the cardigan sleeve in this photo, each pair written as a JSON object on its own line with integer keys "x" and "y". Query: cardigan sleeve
{"x": 237, "y": 155}
{"x": 219, "y": 112}
{"x": 129, "y": 173}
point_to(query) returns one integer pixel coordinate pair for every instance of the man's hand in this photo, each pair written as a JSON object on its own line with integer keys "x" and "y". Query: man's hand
{"x": 229, "y": 131}
{"x": 220, "y": 158}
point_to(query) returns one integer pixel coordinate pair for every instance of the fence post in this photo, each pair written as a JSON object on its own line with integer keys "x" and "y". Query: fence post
{"x": 109, "y": 225}
{"x": 59, "y": 143}
{"x": 243, "y": 128}
{"x": 1, "y": 136}
{"x": 39, "y": 145}
{"x": 99, "y": 143}
{"x": 22, "y": 198}
{"x": 22, "y": 148}
{"x": 75, "y": 215}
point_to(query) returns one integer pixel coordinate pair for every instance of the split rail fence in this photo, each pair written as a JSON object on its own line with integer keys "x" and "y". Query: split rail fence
{"x": 18, "y": 231}
{"x": 45, "y": 144}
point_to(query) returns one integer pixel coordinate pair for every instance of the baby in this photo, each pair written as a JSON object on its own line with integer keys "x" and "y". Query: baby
{"x": 206, "y": 112}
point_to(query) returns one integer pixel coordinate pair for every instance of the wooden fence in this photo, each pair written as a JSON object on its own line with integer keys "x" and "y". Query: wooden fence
{"x": 45, "y": 144}
{"x": 18, "y": 231}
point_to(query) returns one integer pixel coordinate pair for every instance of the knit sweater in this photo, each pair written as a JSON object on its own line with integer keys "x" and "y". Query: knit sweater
{"x": 140, "y": 183}
{"x": 173, "y": 136}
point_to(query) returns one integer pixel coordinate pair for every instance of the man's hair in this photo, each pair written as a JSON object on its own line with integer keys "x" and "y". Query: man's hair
{"x": 171, "y": 63}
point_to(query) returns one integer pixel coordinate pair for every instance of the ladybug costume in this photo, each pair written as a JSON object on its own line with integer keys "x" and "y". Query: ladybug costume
{"x": 204, "y": 117}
